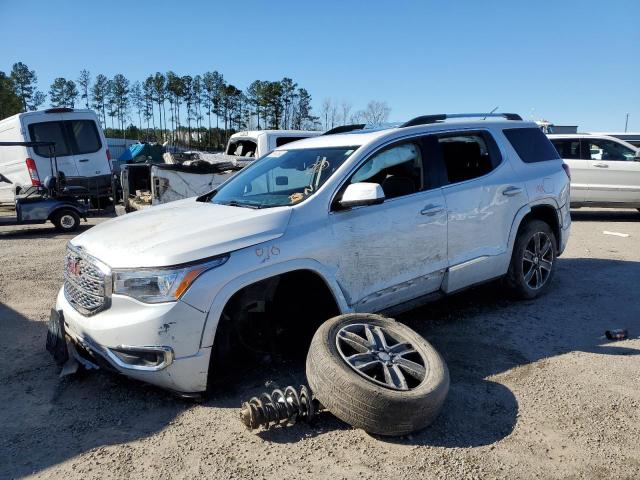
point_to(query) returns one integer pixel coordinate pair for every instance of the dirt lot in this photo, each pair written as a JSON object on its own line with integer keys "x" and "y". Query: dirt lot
{"x": 536, "y": 391}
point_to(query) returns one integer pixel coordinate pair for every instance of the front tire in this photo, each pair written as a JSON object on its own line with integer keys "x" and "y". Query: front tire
{"x": 533, "y": 261}
{"x": 376, "y": 374}
{"x": 66, "y": 220}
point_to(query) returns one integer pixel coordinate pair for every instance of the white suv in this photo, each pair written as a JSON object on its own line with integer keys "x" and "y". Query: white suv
{"x": 605, "y": 171}
{"x": 364, "y": 221}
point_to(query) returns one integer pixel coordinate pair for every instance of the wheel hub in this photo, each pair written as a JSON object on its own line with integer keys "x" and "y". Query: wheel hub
{"x": 385, "y": 357}
{"x": 381, "y": 357}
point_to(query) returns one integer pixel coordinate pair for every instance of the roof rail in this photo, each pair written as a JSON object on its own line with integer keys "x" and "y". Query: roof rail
{"x": 427, "y": 119}
{"x": 345, "y": 128}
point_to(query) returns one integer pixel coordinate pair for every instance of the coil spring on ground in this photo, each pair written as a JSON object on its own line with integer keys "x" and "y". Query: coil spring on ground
{"x": 279, "y": 408}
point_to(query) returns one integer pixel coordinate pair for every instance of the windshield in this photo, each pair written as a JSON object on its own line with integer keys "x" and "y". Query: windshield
{"x": 284, "y": 177}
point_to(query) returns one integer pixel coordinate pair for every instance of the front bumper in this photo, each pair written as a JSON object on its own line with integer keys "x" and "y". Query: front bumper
{"x": 157, "y": 344}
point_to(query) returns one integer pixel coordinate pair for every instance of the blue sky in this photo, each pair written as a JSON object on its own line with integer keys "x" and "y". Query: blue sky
{"x": 571, "y": 62}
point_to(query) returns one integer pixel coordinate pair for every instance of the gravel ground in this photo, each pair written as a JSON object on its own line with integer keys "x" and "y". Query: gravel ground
{"x": 536, "y": 390}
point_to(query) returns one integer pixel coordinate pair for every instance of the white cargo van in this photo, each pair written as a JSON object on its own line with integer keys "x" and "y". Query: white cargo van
{"x": 81, "y": 149}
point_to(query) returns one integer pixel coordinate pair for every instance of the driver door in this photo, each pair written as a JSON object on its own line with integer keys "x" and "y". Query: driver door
{"x": 395, "y": 251}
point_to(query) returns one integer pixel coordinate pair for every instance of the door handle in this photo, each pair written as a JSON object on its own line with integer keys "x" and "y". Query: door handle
{"x": 431, "y": 210}
{"x": 512, "y": 191}
{"x": 84, "y": 160}
{"x": 601, "y": 165}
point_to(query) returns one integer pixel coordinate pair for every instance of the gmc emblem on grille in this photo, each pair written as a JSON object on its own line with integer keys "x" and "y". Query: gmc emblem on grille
{"x": 73, "y": 266}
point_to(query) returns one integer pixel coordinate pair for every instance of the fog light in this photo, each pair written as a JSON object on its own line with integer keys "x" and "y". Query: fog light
{"x": 142, "y": 358}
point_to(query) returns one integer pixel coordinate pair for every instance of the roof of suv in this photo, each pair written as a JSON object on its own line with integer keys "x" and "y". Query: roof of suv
{"x": 364, "y": 136}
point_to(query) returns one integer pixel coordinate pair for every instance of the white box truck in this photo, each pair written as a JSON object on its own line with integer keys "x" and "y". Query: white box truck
{"x": 175, "y": 182}
{"x": 80, "y": 146}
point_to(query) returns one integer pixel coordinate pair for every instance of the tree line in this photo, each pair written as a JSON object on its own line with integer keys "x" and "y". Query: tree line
{"x": 182, "y": 109}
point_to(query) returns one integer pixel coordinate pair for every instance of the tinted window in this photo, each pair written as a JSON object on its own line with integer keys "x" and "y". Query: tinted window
{"x": 49, "y": 132}
{"x": 567, "y": 148}
{"x": 468, "y": 156}
{"x": 609, "y": 150}
{"x": 284, "y": 140}
{"x": 397, "y": 169}
{"x": 531, "y": 144}
{"x": 85, "y": 134}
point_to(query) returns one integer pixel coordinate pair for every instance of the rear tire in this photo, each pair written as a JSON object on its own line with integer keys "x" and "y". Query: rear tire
{"x": 66, "y": 220}
{"x": 533, "y": 261}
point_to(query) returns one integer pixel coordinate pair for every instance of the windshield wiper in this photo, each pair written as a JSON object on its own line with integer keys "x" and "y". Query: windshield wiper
{"x": 235, "y": 203}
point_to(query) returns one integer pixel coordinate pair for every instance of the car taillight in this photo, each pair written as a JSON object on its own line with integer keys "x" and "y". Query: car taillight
{"x": 33, "y": 172}
{"x": 567, "y": 170}
{"x": 109, "y": 160}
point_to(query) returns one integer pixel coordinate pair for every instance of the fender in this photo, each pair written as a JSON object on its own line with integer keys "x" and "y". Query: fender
{"x": 59, "y": 204}
{"x": 524, "y": 211}
{"x": 226, "y": 292}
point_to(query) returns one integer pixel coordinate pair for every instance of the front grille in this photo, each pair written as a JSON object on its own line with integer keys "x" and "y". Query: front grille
{"x": 85, "y": 282}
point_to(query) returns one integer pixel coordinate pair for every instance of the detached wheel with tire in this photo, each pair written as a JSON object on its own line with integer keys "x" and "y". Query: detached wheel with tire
{"x": 66, "y": 220}
{"x": 376, "y": 374}
{"x": 533, "y": 260}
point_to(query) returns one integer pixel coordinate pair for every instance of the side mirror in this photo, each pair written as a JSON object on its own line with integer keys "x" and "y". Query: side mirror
{"x": 637, "y": 157}
{"x": 362, "y": 193}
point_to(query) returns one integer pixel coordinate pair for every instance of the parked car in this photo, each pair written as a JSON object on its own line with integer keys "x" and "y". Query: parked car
{"x": 367, "y": 221}
{"x": 80, "y": 145}
{"x": 605, "y": 171}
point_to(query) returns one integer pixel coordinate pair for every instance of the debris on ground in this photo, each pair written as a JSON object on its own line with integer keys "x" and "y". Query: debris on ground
{"x": 369, "y": 371}
{"x": 617, "y": 334}
{"x": 615, "y": 234}
{"x": 280, "y": 407}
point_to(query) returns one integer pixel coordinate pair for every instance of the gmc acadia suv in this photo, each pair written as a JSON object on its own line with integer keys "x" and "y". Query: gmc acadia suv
{"x": 359, "y": 221}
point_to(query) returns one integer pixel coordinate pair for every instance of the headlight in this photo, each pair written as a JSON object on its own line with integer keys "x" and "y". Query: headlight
{"x": 162, "y": 284}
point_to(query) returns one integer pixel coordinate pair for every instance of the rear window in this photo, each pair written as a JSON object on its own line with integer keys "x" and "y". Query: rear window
{"x": 86, "y": 136}
{"x": 72, "y": 137}
{"x": 284, "y": 140}
{"x": 49, "y": 132}
{"x": 242, "y": 148}
{"x": 531, "y": 144}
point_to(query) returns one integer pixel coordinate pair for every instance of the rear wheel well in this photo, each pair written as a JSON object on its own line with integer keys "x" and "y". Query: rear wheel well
{"x": 274, "y": 316}
{"x": 547, "y": 214}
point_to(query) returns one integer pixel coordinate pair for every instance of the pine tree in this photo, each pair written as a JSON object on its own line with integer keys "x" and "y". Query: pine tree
{"x": 25, "y": 81}
{"x": 84, "y": 81}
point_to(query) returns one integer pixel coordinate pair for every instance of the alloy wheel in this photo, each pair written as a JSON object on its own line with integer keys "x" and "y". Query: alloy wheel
{"x": 537, "y": 260}
{"x": 381, "y": 356}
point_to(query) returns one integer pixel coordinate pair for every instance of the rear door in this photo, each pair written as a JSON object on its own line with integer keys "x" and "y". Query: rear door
{"x": 90, "y": 151}
{"x": 615, "y": 176}
{"x": 570, "y": 151}
{"x": 482, "y": 196}
{"x": 50, "y": 127}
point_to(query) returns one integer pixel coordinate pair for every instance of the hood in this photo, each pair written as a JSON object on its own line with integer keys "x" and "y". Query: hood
{"x": 180, "y": 232}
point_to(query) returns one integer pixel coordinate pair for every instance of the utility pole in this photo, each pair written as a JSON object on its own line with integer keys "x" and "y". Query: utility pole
{"x": 626, "y": 123}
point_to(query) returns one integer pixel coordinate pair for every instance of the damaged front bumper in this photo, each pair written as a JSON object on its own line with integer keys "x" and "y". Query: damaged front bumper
{"x": 158, "y": 345}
